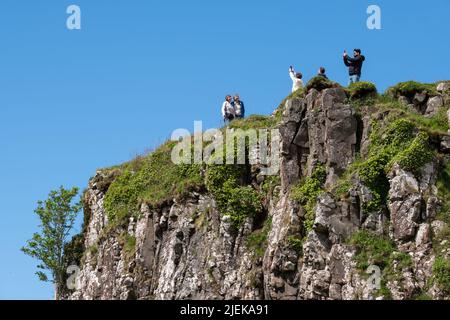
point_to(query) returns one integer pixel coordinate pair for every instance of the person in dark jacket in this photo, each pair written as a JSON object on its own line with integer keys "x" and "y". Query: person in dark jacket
{"x": 238, "y": 106}
{"x": 354, "y": 65}
{"x": 322, "y": 73}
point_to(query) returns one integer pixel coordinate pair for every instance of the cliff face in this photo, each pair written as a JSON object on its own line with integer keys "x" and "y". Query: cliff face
{"x": 362, "y": 184}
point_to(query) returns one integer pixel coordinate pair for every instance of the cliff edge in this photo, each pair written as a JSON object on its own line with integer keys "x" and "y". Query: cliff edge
{"x": 360, "y": 208}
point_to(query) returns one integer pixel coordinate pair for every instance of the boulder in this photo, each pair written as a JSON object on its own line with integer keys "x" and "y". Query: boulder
{"x": 443, "y": 86}
{"x": 405, "y": 202}
{"x": 433, "y": 105}
{"x": 423, "y": 236}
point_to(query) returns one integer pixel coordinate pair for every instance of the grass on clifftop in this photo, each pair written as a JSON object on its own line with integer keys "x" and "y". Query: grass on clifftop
{"x": 435, "y": 125}
{"x": 410, "y": 88}
{"x": 153, "y": 179}
{"x": 361, "y": 90}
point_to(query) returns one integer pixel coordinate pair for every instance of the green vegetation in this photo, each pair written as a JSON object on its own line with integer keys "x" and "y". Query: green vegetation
{"x": 295, "y": 243}
{"x": 441, "y": 243}
{"x": 73, "y": 251}
{"x": 153, "y": 179}
{"x": 361, "y": 90}
{"x": 401, "y": 136}
{"x": 201, "y": 219}
{"x": 373, "y": 249}
{"x": 410, "y": 88}
{"x": 269, "y": 186}
{"x": 435, "y": 125}
{"x": 306, "y": 193}
{"x": 128, "y": 243}
{"x": 254, "y": 122}
{"x": 93, "y": 250}
{"x": 90, "y": 255}
{"x": 233, "y": 198}
{"x": 343, "y": 187}
{"x": 416, "y": 155}
{"x": 298, "y": 94}
{"x": 392, "y": 141}
{"x": 320, "y": 83}
{"x": 423, "y": 296}
{"x": 257, "y": 241}
{"x": 443, "y": 185}
{"x": 57, "y": 216}
{"x": 441, "y": 273}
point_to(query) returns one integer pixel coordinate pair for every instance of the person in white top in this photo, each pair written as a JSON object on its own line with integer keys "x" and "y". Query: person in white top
{"x": 297, "y": 82}
{"x": 228, "y": 112}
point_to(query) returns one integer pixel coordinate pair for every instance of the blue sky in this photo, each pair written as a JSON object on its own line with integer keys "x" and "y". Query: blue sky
{"x": 75, "y": 101}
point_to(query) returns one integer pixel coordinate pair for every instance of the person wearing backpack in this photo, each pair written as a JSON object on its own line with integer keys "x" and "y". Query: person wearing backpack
{"x": 228, "y": 113}
{"x": 238, "y": 106}
{"x": 296, "y": 77}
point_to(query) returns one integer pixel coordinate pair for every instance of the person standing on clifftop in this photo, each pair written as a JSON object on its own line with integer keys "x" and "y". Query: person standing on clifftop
{"x": 322, "y": 73}
{"x": 297, "y": 82}
{"x": 354, "y": 65}
{"x": 238, "y": 106}
{"x": 228, "y": 112}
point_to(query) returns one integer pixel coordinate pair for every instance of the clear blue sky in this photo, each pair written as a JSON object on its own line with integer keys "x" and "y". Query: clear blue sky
{"x": 75, "y": 101}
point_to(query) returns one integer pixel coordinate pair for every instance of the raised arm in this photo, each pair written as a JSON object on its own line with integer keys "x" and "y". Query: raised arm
{"x": 292, "y": 74}
{"x": 353, "y": 59}
{"x": 346, "y": 61}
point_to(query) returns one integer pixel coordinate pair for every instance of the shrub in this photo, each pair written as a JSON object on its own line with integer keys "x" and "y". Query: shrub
{"x": 295, "y": 243}
{"x": 257, "y": 241}
{"x": 397, "y": 142}
{"x": 435, "y": 125}
{"x": 306, "y": 194}
{"x": 416, "y": 155}
{"x": 73, "y": 250}
{"x": 360, "y": 90}
{"x": 441, "y": 273}
{"x": 320, "y": 83}
{"x": 371, "y": 249}
{"x": 410, "y": 88}
{"x": 225, "y": 182}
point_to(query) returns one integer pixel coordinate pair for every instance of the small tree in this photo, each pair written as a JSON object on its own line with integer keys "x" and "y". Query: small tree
{"x": 57, "y": 215}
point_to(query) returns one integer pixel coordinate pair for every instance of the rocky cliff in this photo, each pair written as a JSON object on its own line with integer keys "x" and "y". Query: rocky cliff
{"x": 363, "y": 187}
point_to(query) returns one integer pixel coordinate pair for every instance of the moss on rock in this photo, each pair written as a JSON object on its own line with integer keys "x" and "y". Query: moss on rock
{"x": 306, "y": 193}
{"x": 361, "y": 90}
{"x": 410, "y": 88}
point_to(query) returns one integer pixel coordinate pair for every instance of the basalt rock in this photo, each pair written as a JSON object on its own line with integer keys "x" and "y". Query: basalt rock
{"x": 188, "y": 249}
